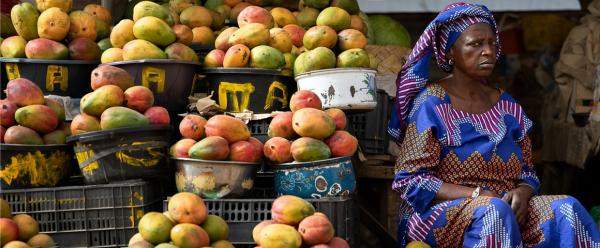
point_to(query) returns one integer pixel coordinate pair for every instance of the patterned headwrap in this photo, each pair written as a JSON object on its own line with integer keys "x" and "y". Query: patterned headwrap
{"x": 437, "y": 39}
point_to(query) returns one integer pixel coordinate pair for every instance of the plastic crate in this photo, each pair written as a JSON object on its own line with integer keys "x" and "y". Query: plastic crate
{"x": 243, "y": 214}
{"x": 371, "y": 128}
{"x": 88, "y": 216}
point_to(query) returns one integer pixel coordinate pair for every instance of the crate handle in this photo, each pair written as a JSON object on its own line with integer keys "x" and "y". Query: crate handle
{"x": 116, "y": 149}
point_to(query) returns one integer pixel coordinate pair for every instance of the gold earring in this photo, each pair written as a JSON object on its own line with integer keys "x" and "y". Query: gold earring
{"x": 451, "y": 61}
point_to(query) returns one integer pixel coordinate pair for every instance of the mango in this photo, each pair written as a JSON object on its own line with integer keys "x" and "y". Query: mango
{"x": 214, "y": 59}
{"x": 224, "y": 10}
{"x": 63, "y": 5}
{"x": 316, "y": 229}
{"x": 351, "y": 6}
{"x": 355, "y": 57}
{"x": 334, "y": 17}
{"x": 203, "y": 36}
{"x": 82, "y": 25}
{"x": 40, "y": 118}
{"x": 218, "y": 21}
{"x": 251, "y": 35}
{"x": 283, "y": 16}
{"x": 142, "y": 49}
{"x": 6, "y": 27}
{"x": 57, "y": 107}
{"x": 278, "y": 150}
{"x": 290, "y": 210}
{"x": 341, "y": 143}
{"x": 179, "y": 5}
{"x": 288, "y": 68}
{"x": 102, "y": 29}
{"x": 235, "y": 11}
{"x": 55, "y": 137}
{"x": 82, "y": 48}
{"x": 351, "y": 38}
{"x": 237, "y": 56}
{"x": 96, "y": 102}
{"x": 121, "y": 117}
{"x": 112, "y": 55}
{"x": 319, "y": 36}
{"x": 210, "y": 148}
{"x": 183, "y": 33}
{"x": 280, "y": 40}
{"x": 317, "y": 59}
{"x": 23, "y": 92}
{"x": 83, "y": 123}
{"x": 22, "y": 135}
{"x": 13, "y": 47}
{"x": 104, "y": 44}
{"x": 230, "y": 128}
{"x": 101, "y": 13}
{"x": 357, "y": 23}
{"x": 147, "y": 8}
{"x": 222, "y": 41}
{"x": 24, "y": 18}
{"x": 296, "y": 34}
{"x": 255, "y": 14}
{"x": 192, "y": 127}
{"x": 305, "y": 99}
{"x": 266, "y": 57}
{"x": 122, "y": 33}
{"x": 307, "y": 17}
{"x": 279, "y": 235}
{"x": 53, "y": 24}
{"x": 314, "y": 123}
{"x": 244, "y": 151}
{"x": 196, "y": 16}
{"x": 41, "y": 48}
{"x": 308, "y": 149}
{"x": 110, "y": 75}
{"x": 158, "y": 116}
{"x": 138, "y": 98}
{"x": 180, "y": 51}
{"x": 154, "y": 30}
{"x": 7, "y": 112}
{"x": 338, "y": 116}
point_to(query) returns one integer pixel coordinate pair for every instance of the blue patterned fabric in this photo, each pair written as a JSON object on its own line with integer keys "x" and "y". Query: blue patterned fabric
{"x": 491, "y": 150}
{"x": 436, "y": 40}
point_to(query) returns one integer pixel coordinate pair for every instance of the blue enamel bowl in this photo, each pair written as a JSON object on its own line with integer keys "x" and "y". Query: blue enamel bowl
{"x": 318, "y": 179}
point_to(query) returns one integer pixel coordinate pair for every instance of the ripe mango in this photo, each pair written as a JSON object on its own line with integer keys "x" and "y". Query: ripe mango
{"x": 83, "y": 123}
{"x": 24, "y": 18}
{"x": 142, "y": 49}
{"x": 266, "y": 57}
{"x": 255, "y": 14}
{"x": 40, "y": 118}
{"x": 53, "y": 24}
{"x": 13, "y": 47}
{"x": 82, "y": 48}
{"x": 154, "y": 30}
{"x": 222, "y": 41}
{"x": 63, "y": 5}
{"x": 351, "y": 38}
{"x": 283, "y": 16}
{"x": 203, "y": 36}
{"x": 122, "y": 33}
{"x": 181, "y": 52}
{"x": 22, "y": 135}
{"x": 210, "y": 148}
{"x": 334, "y": 17}
{"x": 112, "y": 55}
{"x": 82, "y": 25}
{"x": 237, "y": 56}
{"x": 307, "y": 17}
{"x": 314, "y": 123}
{"x": 23, "y": 92}
{"x": 179, "y": 5}
{"x": 99, "y": 100}
{"x": 57, "y": 107}
{"x": 218, "y": 21}
{"x": 196, "y": 16}
{"x": 120, "y": 117}
{"x": 280, "y": 40}
{"x": 319, "y": 36}
{"x": 317, "y": 59}
{"x": 147, "y": 8}
{"x": 108, "y": 74}
{"x": 41, "y": 48}
{"x": 251, "y": 35}
{"x": 184, "y": 34}
{"x": 214, "y": 58}
{"x": 306, "y": 149}
{"x": 355, "y": 57}
{"x": 55, "y": 137}
{"x": 99, "y": 12}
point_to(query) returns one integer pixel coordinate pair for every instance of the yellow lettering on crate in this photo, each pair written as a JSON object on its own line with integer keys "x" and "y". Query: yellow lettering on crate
{"x": 12, "y": 71}
{"x": 84, "y": 156}
{"x": 57, "y": 75}
{"x": 155, "y": 76}
{"x": 271, "y": 95}
{"x": 35, "y": 168}
{"x": 227, "y": 89}
{"x": 154, "y": 153}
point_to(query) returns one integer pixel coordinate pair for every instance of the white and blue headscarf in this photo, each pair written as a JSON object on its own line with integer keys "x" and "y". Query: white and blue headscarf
{"x": 437, "y": 39}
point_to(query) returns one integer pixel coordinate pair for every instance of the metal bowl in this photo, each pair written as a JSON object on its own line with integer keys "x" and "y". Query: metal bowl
{"x": 214, "y": 179}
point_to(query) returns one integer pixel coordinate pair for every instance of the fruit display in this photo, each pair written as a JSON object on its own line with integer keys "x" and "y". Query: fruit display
{"x": 21, "y": 230}
{"x": 116, "y": 103}
{"x": 308, "y": 133}
{"x": 185, "y": 224}
{"x": 29, "y": 118}
{"x": 52, "y": 30}
{"x": 221, "y": 138}
{"x": 295, "y": 223}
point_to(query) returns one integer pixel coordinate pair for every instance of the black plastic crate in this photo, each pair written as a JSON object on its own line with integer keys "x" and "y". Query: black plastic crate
{"x": 243, "y": 214}
{"x": 371, "y": 128}
{"x": 88, "y": 216}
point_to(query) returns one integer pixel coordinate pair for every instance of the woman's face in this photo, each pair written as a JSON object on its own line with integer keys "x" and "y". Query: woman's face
{"x": 474, "y": 51}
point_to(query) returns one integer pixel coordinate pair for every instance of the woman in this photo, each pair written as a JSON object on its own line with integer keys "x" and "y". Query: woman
{"x": 464, "y": 171}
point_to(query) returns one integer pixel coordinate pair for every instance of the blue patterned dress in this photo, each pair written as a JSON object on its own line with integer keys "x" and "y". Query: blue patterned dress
{"x": 491, "y": 150}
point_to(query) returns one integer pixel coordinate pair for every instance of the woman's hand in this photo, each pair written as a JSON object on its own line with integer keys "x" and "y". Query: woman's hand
{"x": 518, "y": 199}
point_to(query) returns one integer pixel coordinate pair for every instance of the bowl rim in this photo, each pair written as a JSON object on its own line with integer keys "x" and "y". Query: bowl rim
{"x": 335, "y": 70}
{"x": 215, "y": 162}
{"x": 241, "y": 70}
{"x": 295, "y": 165}
{"x": 154, "y": 61}
{"x": 110, "y": 133}
{"x": 49, "y": 61}
{"x": 25, "y": 147}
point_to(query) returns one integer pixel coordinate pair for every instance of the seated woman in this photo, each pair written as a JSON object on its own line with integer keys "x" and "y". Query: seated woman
{"x": 464, "y": 172}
